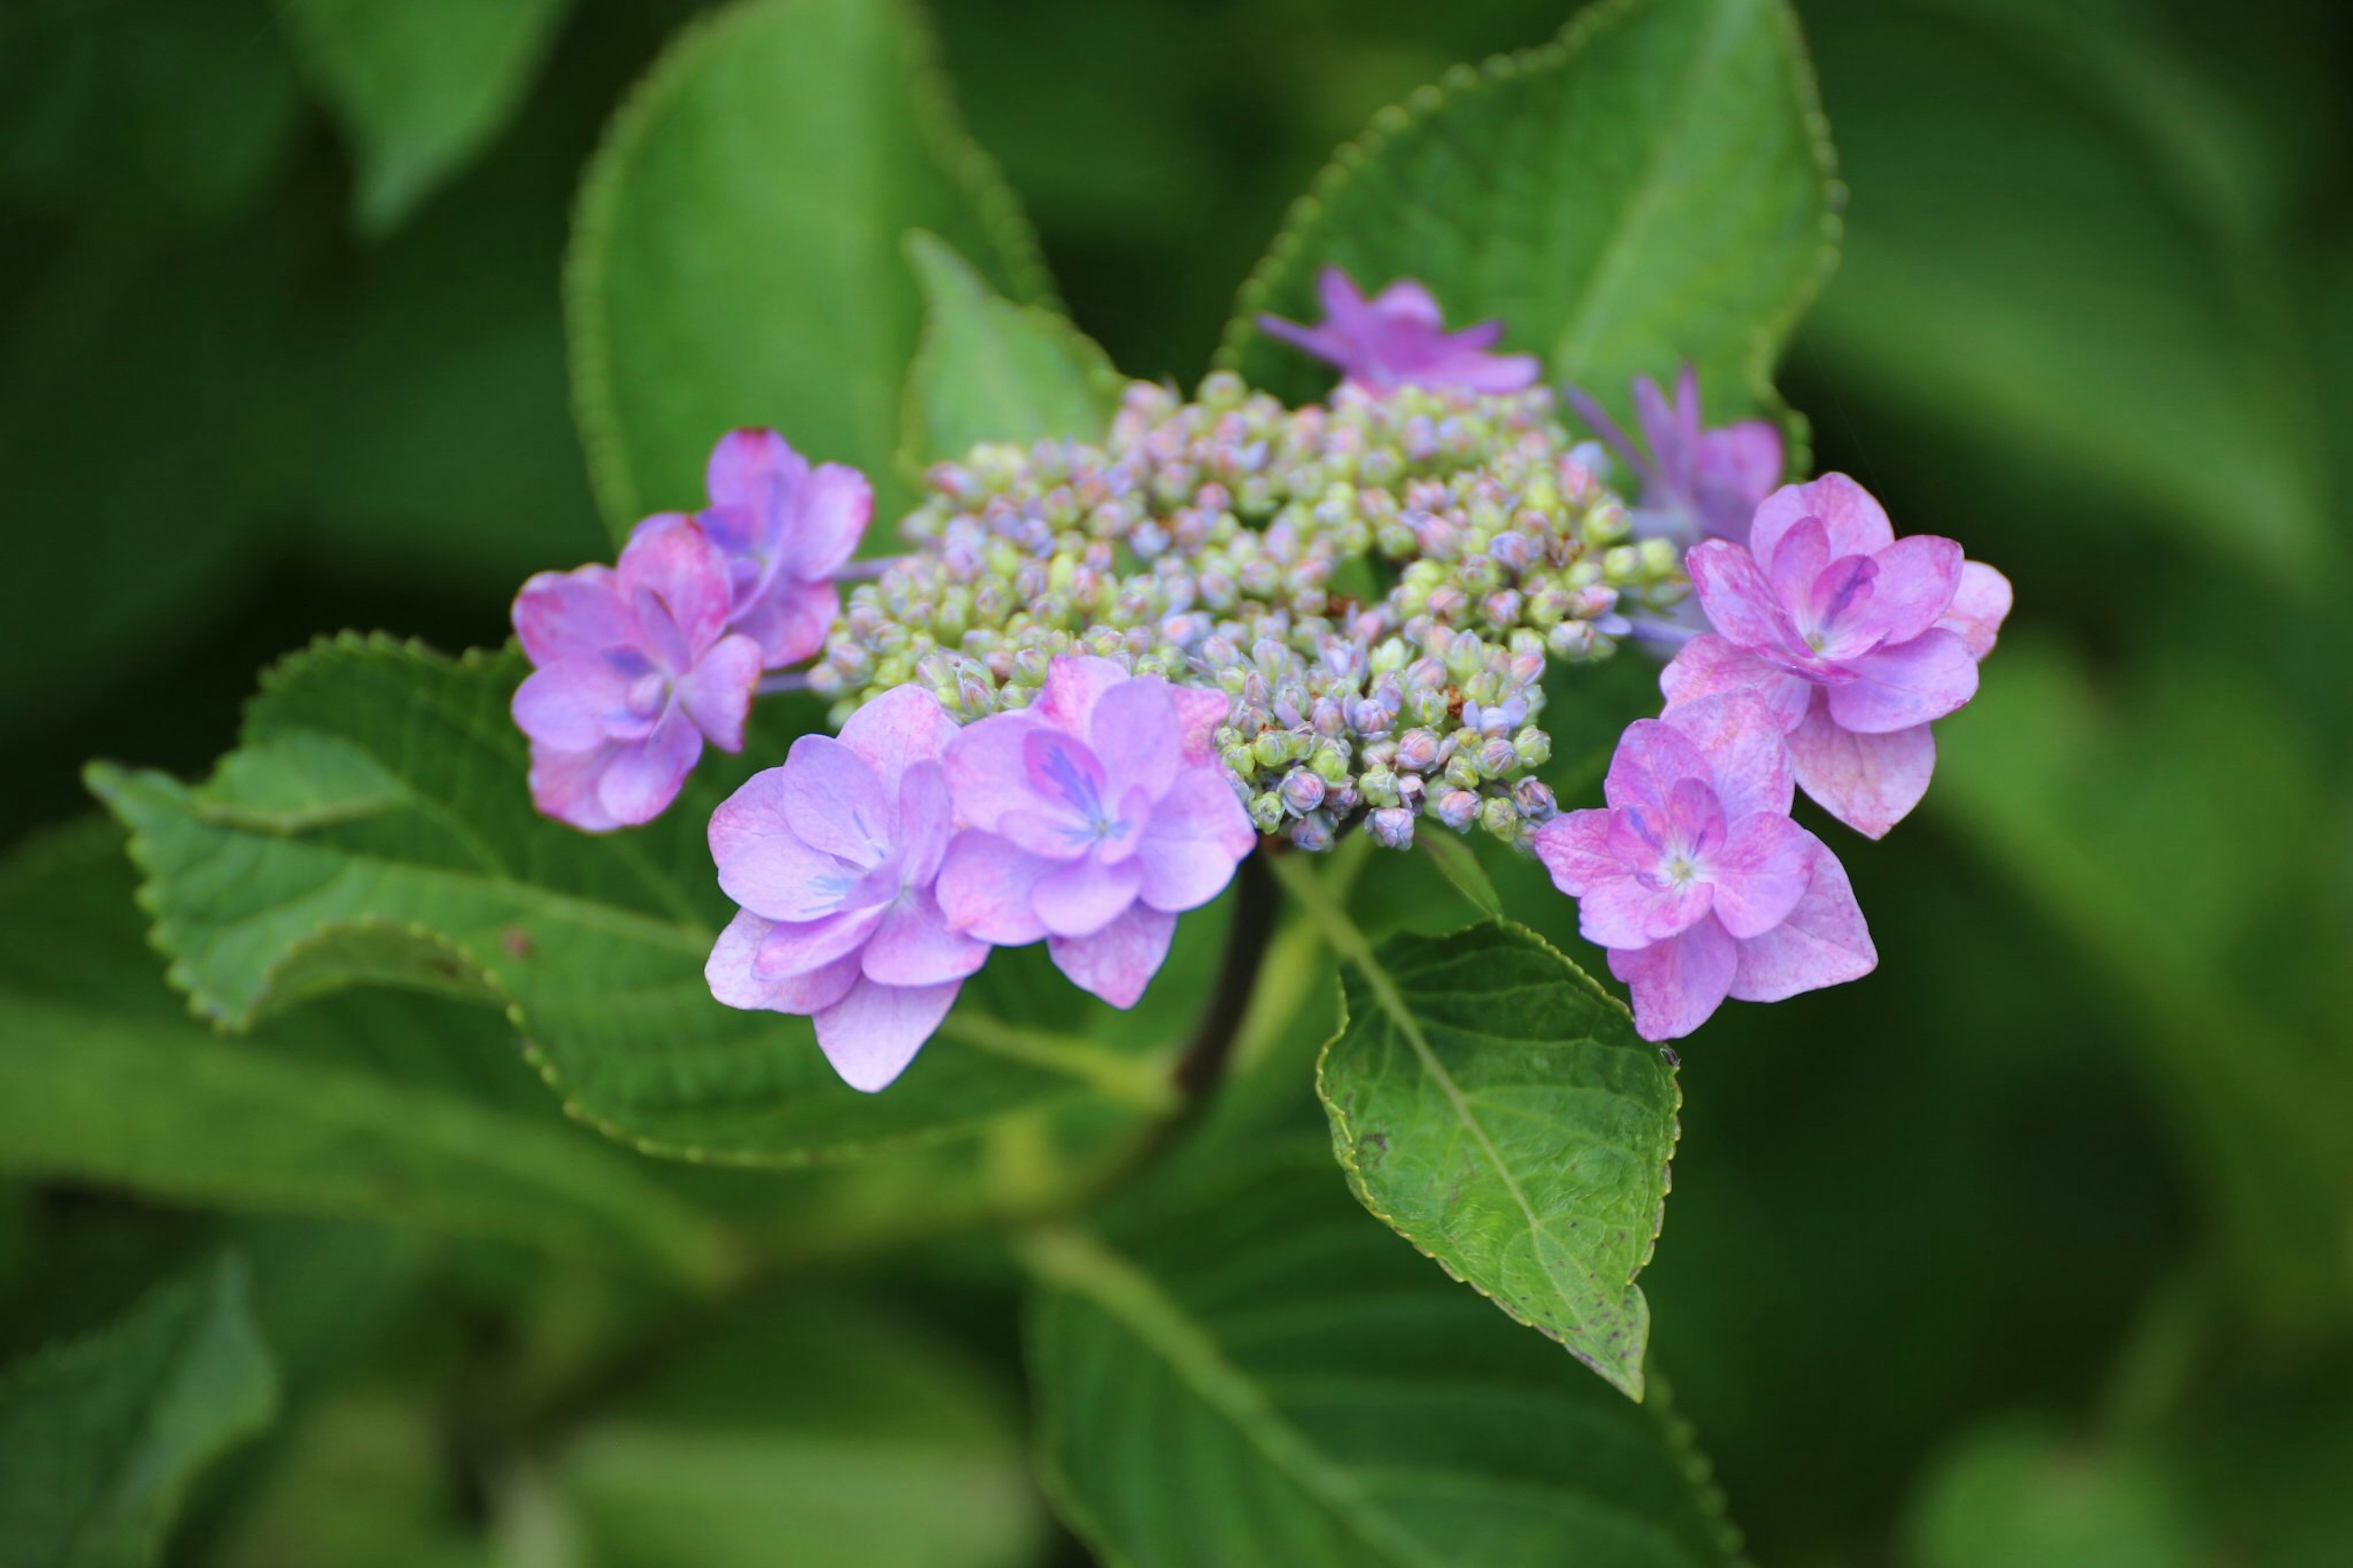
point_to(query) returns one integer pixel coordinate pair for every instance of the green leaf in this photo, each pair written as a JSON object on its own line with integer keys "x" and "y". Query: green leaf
{"x": 1327, "y": 1398}
{"x": 1653, "y": 188}
{"x": 100, "y": 1439}
{"x": 990, "y": 369}
{"x": 736, "y": 259}
{"x": 106, "y": 1080}
{"x": 374, "y": 828}
{"x": 1458, "y": 864}
{"x": 811, "y": 1431}
{"x": 1492, "y": 1102}
{"x": 418, "y": 86}
{"x": 2013, "y": 1494}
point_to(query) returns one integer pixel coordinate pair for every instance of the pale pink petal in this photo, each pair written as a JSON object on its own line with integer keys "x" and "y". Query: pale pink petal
{"x": 566, "y": 704}
{"x": 913, "y": 946}
{"x": 1708, "y": 665}
{"x": 802, "y": 947}
{"x": 1134, "y": 734}
{"x": 1823, "y": 941}
{"x": 756, "y": 469}
{"x": 834, "y": 801}
{"x": 1118, "y": 961}
{"x": 1199, "y": 712}
{"x": 1740, "y": 735}
{"x": 1868, "y": 782}
{"x": 1738, "y": 600}
{"x": 1909, "y": 684}
{"x": 763, "y": 864}
{"x": 733, "y": 979}
{"x": 829, "y": 519}
{"x": 670, "y": 558}
{"x": 872, "y": 1032}
{"x": 1576, "y": 848}
{"x": 1739, "y": 465}
{"x": 789, "y": 619}
{"x": 1855, "y": 522}
{"x": 986, "y": 887}
{"x": 563, "y": 785}
{"x": 1197, "y": 834}
{"x": 1074, "y": 684}
{"x": 1798, "y": 563}
{"x": 987, "y": 774}
{"x": 717, "y": 692}
{"x": 646, "y": 775}
{"x": 1081, "y": 897}
{"x": 573, "y": 615}
{"x": 1651, "y": 758}
{"x": 1680, "y": 982}
{"x": 1979, "y": 605}
{"x": 1918, "y": 576}
{"x": 1760, "y": 873}
{"x": 897, "y": 729}
{"x": 1407, "y": 300}
{"x": 926, "y": 821}
{"x": 1627, "y": 912}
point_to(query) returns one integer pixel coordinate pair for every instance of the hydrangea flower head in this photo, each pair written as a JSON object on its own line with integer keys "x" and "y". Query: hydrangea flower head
{"x": 635, "y": 669}
{"x": 1854, "y": 639}
{"x": 1695, "y": 877}
{"x": 1397, "y": 338}
{"x": 784, "y": 527}
{"x": 1697, "y": 483}
{"x": 833, "y": 857}
{"x": 1095, "y": 817}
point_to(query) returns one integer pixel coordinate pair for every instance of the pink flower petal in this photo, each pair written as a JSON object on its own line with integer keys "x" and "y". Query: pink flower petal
{"x": 986, "y": 887}
{"x": 1798, "y": 561}
{"x": 1760, "y": 873}
{"x": 988, "y": 774}
{"x": 1823, "y": 943}
{"x": 1979, "y": 605}
{"x": 1576, "y": 848}
{"x": 1739, "y": 602}
{"x": 1868, "y": 782}
{"x": 564, "y": 705}
{"x": 1915, "y": 582}
{"x": 913, "y": 946}
{"x": 1074, "y": 684}
{"x": 802, "y": 947}
{"x": 1197, "y": 835}
{"x": 573, "y": 615}
{"x": 926, "y": 821}
{"x": 1709, "y": 666}
{"x": 763, "y": 864}
{"x": 1741, "y": 737}
{"x": 1738, "y": 467}
{"x": 1119, "y": 961}
{"x": 670, "y": 558}
{"x": 1629, "y": 911}
{"x": 834, "y": 801}
{"x": 833, "y": 510}
{"x": 1134, "y": 734}
{"x": 1199, "y": 712}
{"x": 1651, "y": 758}
{"x": 1856, "y": 523}
{"x": 645, "y": 777}
{"x": 1678, "y": 983}
{"x": 897, "y": 729}
{"x": 717, "y": 692}
{"x": 788, "y": 618}
{"x": 756, "y": 469}
{"x": 563, "y": 785}
{"x": 733, "y": 979}
{"x": 874, "y": 1031}
{"x": 1081, "y": 897}
{"x": 1909, "y": 684}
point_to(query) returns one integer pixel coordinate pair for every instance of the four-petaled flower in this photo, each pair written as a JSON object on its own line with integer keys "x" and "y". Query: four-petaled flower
{"x": 1094, "y": 816}
{"x": 635, "y": 669}
{"x": 1697, "y": 483}
{"x": 833, "y": 857}
{"x": 1854, "y": 639}
{"x": 786, "y": 528}
{"x": 1695, "y": 877}
{"x": 1399, "y": 338}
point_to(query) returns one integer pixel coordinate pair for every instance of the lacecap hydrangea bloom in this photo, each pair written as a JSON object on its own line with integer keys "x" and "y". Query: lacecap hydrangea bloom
{"x": 1107, "y": 670}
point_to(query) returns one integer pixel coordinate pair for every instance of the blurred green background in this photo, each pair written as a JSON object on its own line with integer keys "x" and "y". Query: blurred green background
{"x": 2033, "y": 1248}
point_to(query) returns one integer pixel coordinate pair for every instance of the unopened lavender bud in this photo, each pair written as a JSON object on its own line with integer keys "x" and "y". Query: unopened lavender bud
{"x": 1417, "y": 750}
{"x": 1266, "y": 811}
{"x": 1571, "y": 639}
{"x": 1303, "y": 791}
{"x": 1497, "y": 758}
{"x": 1457, "y": 808}
{"x": 1391, "y": 828}
{"x": 1462, "y": 770}
{"x": 1313, "y": 832}
{"x": 1411, "y": 791}
{"x": 1533, "y": 799}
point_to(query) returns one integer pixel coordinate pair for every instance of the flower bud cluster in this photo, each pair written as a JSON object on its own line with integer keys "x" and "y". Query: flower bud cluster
{"x": 1377, "y": 584}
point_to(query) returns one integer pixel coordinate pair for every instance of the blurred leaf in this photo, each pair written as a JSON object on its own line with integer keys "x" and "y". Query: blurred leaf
{"x": 2048, "y": 254}
{"x": 736, "y": 259}
{"x": 100, "y": 1438}
{"x": 809, "y": 1431}
{"x": 990, "y": 369}
{"x": 364, "y": 1484}
{"x": 375, "y": 827}
{"x": 1327, "y": 1398}
{"x": 147, "y": 112}
{"x": 1458, "y": 864}
{"x": 2171, "y": 838}
{"x": 420, "y": 85}
{"x": 97, "y": 1085}
{"x": 1653, "y": 188}
{"x": 1492, "y": 1105}
{"x": 2014, "y": 1495}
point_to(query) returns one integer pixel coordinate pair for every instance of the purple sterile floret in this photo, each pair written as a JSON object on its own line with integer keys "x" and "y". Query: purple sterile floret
{"x": 1697, "y": 483}
{"x": 1397, "y": 338}
{"x": 1695, "y": 877}
{"x": 1094, "y": 816}
{"x": 786, "y": 528}
{"x": 1855, "y": 641}
{"x": 635, "y": 671}
{"x": 833, "y": 857}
